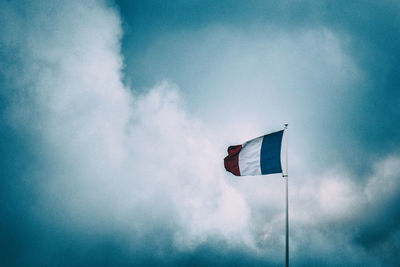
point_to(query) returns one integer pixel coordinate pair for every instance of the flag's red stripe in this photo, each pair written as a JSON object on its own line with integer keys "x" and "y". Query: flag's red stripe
{"x": 231, "y": 161}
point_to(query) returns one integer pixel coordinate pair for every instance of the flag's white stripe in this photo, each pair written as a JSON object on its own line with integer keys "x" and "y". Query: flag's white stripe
{"x": 249, "y": 157}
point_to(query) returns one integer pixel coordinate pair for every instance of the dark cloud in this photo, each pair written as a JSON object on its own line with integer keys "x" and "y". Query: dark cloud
{"x": 366, "y": 113}
{"x": 87, "y": 176}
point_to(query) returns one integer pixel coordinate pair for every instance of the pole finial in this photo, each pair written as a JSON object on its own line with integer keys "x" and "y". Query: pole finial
{"x": 286, "y": 124}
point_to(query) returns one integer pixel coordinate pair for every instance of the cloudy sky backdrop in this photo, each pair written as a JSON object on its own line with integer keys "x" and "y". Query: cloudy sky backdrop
{"x": 115, "y": 118}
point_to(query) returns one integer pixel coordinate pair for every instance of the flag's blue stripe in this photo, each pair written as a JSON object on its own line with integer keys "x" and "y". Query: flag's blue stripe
{"x": 270, "y": 158}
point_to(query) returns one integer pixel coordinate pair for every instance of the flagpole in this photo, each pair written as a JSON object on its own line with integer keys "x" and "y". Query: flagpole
{"x": 286, "y": 197}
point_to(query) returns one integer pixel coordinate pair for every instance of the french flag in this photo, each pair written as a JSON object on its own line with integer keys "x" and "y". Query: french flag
{"x": 258, "y": 156}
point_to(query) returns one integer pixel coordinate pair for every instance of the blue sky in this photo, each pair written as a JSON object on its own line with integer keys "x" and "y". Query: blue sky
{"x": 116, "y": 116}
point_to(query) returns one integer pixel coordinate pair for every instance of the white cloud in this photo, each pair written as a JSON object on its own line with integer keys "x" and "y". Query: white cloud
{"x": 386, "y": 181}
{"x": 113, "y": 154}
{"x": 128, "y": 163}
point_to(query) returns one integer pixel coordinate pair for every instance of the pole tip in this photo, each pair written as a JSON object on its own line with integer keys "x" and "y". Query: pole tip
{"x": 286, "y": 124}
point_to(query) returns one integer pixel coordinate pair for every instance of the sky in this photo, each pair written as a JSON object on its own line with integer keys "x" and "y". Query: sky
{"x": 115, "y": 117}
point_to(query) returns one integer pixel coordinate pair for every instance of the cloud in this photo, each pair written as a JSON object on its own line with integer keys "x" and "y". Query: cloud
{"x": 108, "y": 161}
{"x": 95, "y": 172}
{"x": 366, "y": 33}
{"x": 260, "y": 78}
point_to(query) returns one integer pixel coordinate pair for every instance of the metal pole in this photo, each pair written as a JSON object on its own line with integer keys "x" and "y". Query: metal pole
{"x": 286, "y": 177}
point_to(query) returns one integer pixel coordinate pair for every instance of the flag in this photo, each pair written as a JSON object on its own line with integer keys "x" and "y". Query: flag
{"x": 258, "y": 156}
